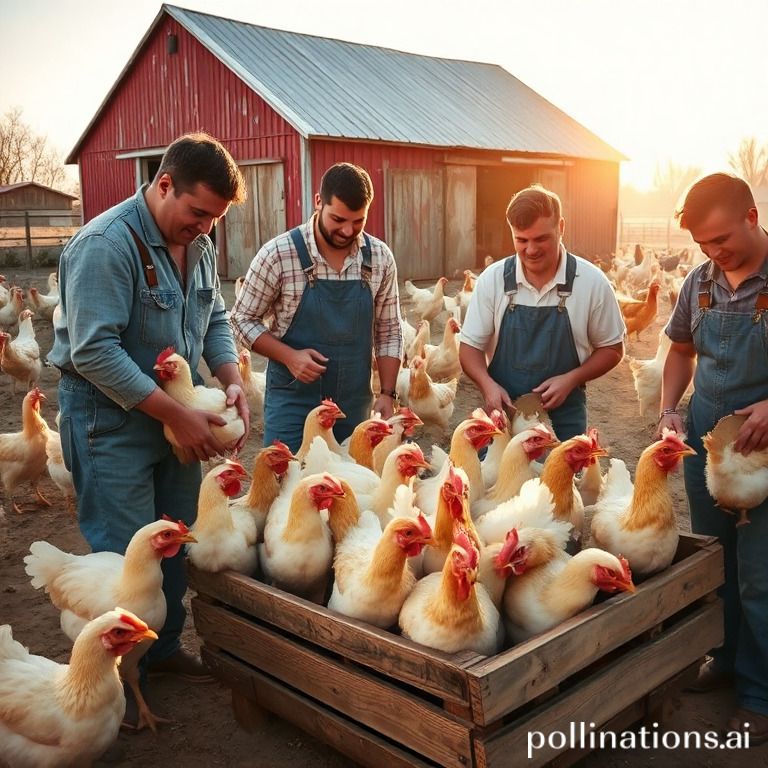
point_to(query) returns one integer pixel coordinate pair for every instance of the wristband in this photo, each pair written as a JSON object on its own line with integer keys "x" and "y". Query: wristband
{"x": 668, "y": 412}
{"x": 389, "y": 393}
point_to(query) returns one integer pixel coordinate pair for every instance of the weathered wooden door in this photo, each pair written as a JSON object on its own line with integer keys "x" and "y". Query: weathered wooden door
{"x": 460, "y": 219}
{"x": 415, "y": 223}
{"x": 260, "y": 218}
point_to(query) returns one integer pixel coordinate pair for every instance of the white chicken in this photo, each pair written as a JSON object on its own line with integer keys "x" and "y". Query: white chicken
{"x": 372, "y": 577}
{"x": 415, "y": 348}
{"x": 320, "y": 421}
{"x": 56, "y": 715}
{"x": 9, "y": 314}
{"x": 225, "y": 535}
{"x": 442, "y": 361}
{"x": 60, "y": 475}
{"x": 254, "y": 384}
{"x": 403, "y": 423}
{"x": 297, "y": 552}
{"x": 401, "y": 465}
{"x": 449, "y": 611}
{"x": 43, "y": 304}
{"x": 646, "y": 375}
{"x": 551, "y": 586}
{"x": 427, "y": 304}
{"x": 639, "y": 521}
{"x": 738, "y": 483}
{"x": 20, "y": 357}
{"x": 22, "y": 454}
{"x": 83, "y": 586}
{"x": 432, "y": 402}
{"x": 269, "y": 469}
{"x": 176, "y": 379}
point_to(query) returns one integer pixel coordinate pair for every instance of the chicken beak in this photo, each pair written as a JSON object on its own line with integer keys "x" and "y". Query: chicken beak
{"x": 627, "y": 586}
{"x": 147, "y": 634}
{"x": 598, "y": 452}
{"x": 187, "y": 538}
{"x": 688, "y": 451}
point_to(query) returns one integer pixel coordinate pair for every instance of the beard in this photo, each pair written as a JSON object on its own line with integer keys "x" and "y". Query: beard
{"x": 335, "y": 241}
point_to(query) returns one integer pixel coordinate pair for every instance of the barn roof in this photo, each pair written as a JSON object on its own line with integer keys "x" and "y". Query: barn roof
{"x": 331, "y": 88}
{"x": 19, "y": 184}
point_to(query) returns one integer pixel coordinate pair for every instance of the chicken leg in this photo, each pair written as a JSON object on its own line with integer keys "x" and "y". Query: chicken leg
{"x": 129, "y": 671}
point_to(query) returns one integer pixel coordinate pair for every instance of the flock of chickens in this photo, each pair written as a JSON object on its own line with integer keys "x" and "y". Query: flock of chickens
{"x": 453, "y": 551}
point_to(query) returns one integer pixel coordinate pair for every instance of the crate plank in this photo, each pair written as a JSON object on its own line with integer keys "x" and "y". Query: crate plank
{"x": 388, "y": 709}
{"x": 607, "y": 692}
{"x": 362, "y": 746}
{"x": 388, "y": 653}
{"x": 508, "y": 680}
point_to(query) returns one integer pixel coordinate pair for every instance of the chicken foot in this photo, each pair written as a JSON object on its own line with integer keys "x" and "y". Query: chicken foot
{"x": 743, "y": 519}
{"x": 146, "y": 718}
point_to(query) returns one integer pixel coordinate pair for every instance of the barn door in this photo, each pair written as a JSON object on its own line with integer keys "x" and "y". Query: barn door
{"x": 260, "y": 218}
{"x": 556, "y": 181}
{"x": 460, "y": 217}
{"x": 415, "y": 223}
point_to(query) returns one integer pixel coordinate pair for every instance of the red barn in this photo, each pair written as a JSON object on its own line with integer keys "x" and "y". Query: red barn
{"x": 446, "y": 142}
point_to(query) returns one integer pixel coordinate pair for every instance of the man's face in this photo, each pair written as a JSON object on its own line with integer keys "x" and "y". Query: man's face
{"x": 337, "y": 224}
{"x": 538, "y": 246}
{"x": 728, "y": 239}
{"x": 184, "y": 217}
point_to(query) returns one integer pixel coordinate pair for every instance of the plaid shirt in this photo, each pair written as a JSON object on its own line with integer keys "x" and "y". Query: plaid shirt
{"x": 275, "y": 283}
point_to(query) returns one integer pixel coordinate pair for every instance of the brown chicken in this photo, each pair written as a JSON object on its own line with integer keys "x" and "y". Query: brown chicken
{"x": 320, "y": 421}
{"x": 638, "y": 315}
{"x": 22, "y": 454}
{"x": 364, "y": 438}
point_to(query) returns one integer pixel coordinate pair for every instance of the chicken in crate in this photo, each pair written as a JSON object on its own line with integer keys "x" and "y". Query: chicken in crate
{"x": 454, "y": 608}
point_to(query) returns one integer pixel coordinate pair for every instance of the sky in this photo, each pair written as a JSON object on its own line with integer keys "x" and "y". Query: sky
{"x": 660, "y": 80}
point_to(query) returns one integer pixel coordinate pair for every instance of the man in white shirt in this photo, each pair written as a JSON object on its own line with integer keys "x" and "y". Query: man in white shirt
{"x": 541, "y": 320}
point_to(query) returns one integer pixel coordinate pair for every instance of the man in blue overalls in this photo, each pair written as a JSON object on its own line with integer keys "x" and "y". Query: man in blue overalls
{"x": 720, "y": 328}
{"x": 541, "y": 320}
{"x": 319, "y": 301}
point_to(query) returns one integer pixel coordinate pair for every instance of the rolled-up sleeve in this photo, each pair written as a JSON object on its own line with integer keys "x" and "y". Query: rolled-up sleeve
{"x": 257, "y": 297}
{"x": 104, "y": 273}
{"x": 480, "y": 322}
{"x": 388, "y": 329}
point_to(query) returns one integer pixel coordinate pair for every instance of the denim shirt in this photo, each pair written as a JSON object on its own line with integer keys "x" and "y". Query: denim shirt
{"x": 113, "y": 325}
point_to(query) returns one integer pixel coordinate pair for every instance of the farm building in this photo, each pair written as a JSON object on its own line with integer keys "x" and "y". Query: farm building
{"x": 49, "y": 206}
{"x": 446, "y": 142}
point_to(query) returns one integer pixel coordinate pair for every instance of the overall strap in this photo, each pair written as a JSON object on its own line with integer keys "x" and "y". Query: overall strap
{"x": 307, "y": 265}
{"x": 564, "y": 290}
{"x": 146, "y": 260}
{"x": 366, "y": 268}
{"x": 510, "y": 280}
{"x": 705, "y": 287}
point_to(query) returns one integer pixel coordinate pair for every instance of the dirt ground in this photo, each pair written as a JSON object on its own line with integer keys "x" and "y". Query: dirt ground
{"x": 206, "y": 733}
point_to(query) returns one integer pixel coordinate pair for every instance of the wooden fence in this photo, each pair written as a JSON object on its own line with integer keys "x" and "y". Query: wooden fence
{"x": 36, "y": 231}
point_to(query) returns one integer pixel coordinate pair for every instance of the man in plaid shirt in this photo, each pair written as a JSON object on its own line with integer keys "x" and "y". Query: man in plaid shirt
{"x": 319, "y": 301}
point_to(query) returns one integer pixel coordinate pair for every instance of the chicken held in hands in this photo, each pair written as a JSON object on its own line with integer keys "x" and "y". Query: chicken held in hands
{"x": 736, "y": 482}
{"x": 54, "y": 715}
{"x": 83, "y": 587}
{"x": 176, "y": 380}
{"x": 639, "y": 521}
{"x": 225, "y": 535}
{"x": 448, "y": 610}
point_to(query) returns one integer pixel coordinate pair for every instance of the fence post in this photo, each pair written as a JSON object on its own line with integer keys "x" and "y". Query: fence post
{"x": 28, "y": 235}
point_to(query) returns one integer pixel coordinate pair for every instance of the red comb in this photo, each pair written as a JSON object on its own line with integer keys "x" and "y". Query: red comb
{"x": 423, "y": 525}
{"x": 461, "y": 539}
{"x": 165, "y": 354}
{"x": 131, "y": 620}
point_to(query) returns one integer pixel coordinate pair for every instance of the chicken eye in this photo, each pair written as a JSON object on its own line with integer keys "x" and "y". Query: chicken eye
{"x": 119, "y": 632}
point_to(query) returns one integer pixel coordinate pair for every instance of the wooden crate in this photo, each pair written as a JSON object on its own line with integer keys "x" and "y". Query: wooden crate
{"x": 378, "y": 697}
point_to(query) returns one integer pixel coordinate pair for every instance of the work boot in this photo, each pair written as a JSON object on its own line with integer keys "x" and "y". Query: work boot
{"x": 711, "y": 678}
{"x": 184, "y": 665}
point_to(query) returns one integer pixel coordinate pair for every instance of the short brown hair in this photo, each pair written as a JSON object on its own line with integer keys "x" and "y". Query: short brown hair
{"x": 350, "y": 183}
{"x": 198, "y": 158}
{"x": 530, "y": 204}
{"x": 718, "y": 190}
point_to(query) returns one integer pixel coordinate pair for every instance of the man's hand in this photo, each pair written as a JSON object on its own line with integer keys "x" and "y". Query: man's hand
{"x": 236, "y": 397}
{"x": 306, "y": 365}
{"x": 554, "y": 390}
{"x": 496, "y": 398}
{"x": 192, "y": 431}
{"x": 669, "y": 421}
{"x": 753, "y": 435}
{"x": 385, "y": 406}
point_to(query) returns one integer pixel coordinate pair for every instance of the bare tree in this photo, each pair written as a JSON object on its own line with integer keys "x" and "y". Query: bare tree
{"x": 26, "y": 156}
{"x": 750, "y": 162}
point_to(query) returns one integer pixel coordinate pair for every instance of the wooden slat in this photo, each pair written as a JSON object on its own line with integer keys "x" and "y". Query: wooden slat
{"x": 390, "y": 654}
{"x": 360, "y": 745}
{"x": 504, "y": 682}
{"x": 387, "y": 709}
{"x": 607, "y": 692}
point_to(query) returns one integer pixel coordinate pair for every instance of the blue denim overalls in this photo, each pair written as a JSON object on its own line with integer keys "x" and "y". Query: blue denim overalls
{"x": 335, "y": 317}
{"x": 536, "y": 343}
{"x": 732, "y": 373}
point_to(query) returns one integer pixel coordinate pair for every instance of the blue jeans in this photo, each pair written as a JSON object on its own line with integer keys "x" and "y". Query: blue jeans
{"x": 745, "y": 592}
{"x": 126, "y": 476}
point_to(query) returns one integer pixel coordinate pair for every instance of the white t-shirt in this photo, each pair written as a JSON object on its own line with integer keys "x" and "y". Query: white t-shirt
{"x": 593, "y": 311}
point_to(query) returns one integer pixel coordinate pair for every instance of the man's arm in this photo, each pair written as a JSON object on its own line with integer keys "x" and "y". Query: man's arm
{"x": 388, "y": 370}
{"x": 677, "y": 375}
{"x": 473, "y": 363}
{"x": 556, "y": 389}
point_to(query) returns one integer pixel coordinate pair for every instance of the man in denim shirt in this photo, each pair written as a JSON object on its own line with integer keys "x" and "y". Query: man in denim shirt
{"x": 137, "y": 279}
